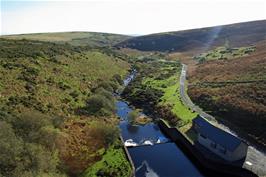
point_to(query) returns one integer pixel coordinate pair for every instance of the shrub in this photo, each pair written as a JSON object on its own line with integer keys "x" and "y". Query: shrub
{"x": 105, "y": 93}
{"x": 104, "y": 131}
{"x": 164, "y": 111}
{"x": 10, "y": 148}
{"x": 132, "y": 116}
{"x": 62, "y": 85}
{"x": 32, "y": 127}
{"x": 118, "y": 78}
{"x": 99, "y": 105}
{"x": 108, "y": 85}
{"x": 27, "y": 147}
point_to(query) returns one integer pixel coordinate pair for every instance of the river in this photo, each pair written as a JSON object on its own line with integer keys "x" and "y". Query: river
{"x": 162, "y": 158}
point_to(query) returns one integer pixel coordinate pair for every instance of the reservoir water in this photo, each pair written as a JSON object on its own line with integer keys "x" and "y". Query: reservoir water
{"x": 157, "y": 160}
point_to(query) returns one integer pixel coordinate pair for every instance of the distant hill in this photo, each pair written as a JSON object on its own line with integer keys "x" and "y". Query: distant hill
{"x": 239, "y": 34}
{"x": 74, "y": 38}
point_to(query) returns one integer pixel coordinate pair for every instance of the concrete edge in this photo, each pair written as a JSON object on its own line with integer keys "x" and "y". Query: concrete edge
{"x": 128, "y": 157}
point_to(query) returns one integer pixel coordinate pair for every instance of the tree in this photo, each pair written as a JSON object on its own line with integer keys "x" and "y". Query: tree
{"x": 132, "y": 116}
{"x": 105, "y": 93}
{"x": 29, "y": 124}
{"x": 99, "y": 105}
{"x": 28, "y": 147}
{"x": 10, "y": 148}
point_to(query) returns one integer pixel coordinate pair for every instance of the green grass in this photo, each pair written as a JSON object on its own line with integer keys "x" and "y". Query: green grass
{"x": 172, "y": 97}
{"x": 113, "y": 163}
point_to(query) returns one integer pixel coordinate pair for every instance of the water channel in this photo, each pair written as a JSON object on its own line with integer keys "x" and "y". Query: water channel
{"x": 161, "y": 157}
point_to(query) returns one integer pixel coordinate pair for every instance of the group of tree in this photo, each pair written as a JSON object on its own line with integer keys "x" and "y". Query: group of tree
{"x": 28, "y": 146}
{"x": 102, "y": 102}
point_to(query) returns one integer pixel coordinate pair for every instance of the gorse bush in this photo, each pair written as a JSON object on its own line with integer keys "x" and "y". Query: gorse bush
{"x": 100, "y": 105}
{"x": 108, "y": 85}
{"x": 102, "y": 102}
{"x": 105, "y": 93}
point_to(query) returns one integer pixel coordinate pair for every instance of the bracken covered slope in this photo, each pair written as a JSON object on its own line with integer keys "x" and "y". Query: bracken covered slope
{"x": 235, "y": 91}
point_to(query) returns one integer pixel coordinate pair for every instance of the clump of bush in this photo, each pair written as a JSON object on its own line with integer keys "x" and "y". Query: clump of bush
{"x": 118, "y": 79}
{"x": 27, "y": 146}
{"x": 142, "y": 96}
{"x": 132, "y": 116}
{"x": 27, "y": 101}
{"x": 105, "y": 132}
{"x": 108, "y": 85}
{"x": 102, "y": 102}
{"x": 164, "y": 111}
{"x": 99, "y": 105}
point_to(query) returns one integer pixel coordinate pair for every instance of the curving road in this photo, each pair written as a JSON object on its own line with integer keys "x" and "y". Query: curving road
{"x": 186, "y": 100}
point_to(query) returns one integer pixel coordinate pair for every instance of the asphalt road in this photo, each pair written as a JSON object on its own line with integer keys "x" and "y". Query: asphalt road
{"x": 187, "y": 101}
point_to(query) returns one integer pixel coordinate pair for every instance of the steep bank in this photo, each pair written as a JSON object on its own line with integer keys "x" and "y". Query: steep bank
{"x": 47, "y": 91}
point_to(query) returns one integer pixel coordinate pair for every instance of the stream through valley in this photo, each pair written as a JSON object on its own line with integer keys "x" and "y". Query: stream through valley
{"x": 153, "y": 154}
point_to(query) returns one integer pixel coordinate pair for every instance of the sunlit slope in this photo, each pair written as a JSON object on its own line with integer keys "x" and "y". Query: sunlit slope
{"x": 46, "y": 74}
{"x": 240, "y": 34}
{"x": 74, "y": 38}
{"x": 52, "y": 84}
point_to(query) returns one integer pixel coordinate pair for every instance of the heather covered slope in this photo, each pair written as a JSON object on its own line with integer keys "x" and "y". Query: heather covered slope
{"x": 234, "y": 90}
{"x": 74, "y": 38}
{"x": 240, "y": 34}
{"x": 57, "y": 109}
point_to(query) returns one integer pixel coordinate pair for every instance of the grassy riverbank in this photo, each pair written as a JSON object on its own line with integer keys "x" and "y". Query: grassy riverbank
{"x": 171, "y": 96}
{"x": 113, "y": 163}
{"x": 156, "y": 89}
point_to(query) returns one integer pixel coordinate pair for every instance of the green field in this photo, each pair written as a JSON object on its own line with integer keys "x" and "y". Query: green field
{"x": 171, "y": 96}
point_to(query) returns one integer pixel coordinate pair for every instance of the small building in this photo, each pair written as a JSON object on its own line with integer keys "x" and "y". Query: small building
{"x": 218, "y": 141}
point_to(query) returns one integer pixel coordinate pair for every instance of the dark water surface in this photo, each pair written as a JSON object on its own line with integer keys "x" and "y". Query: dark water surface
{"x": 159, "y": 160}
{"x": 138, "y": 134}
{"x": 164, "y": 160}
